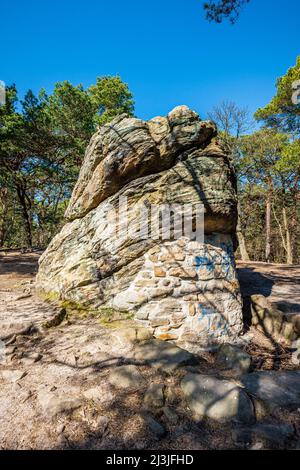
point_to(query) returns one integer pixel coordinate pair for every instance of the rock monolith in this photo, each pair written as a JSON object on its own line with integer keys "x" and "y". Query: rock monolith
{"x": 106, "y": 259}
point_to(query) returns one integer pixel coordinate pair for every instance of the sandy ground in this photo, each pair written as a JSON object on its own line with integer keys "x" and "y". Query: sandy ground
{"x": 278, "y": 282}
{"x": 64, "y": 362}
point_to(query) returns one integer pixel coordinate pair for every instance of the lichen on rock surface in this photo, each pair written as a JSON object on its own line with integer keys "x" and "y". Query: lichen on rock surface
{"x": 185, "y": 290}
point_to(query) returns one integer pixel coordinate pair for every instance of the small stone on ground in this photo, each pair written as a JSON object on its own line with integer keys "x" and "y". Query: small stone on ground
{"x": 13, "y": 375}
{"x": 154, "y": 396}
{"x": 217, "y": 399}
{"x": 270, "y": 434}
{"x": 127, "y": 376}
{"x": 164, "y": 356}
{"x": 156, "y": 428}
{"x": 234, "y": 358}
{"x": 54, "y": 405}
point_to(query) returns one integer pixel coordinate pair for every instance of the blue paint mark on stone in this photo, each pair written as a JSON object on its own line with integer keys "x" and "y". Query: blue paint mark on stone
{"x": 219, "y": 323}
{"x": 204, "y": 261}
{"x": 205, "y": 310}
{"x": 225, "y": 261}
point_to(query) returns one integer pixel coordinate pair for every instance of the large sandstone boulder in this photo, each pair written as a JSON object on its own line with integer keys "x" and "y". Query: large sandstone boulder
{"x": 185, "y": 289}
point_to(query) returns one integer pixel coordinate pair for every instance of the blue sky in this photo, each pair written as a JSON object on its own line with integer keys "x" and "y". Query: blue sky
{"x": 164, "y": 49}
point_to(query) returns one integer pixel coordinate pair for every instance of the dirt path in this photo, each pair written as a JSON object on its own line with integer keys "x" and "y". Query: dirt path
{"x": 55, "y": 390}
{"x": 19, "y": 306}
{"x": 279, "y": 283}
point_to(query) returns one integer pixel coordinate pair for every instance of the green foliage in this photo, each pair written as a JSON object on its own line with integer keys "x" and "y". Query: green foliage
{"x": 267, "y": 164}
{"x": 290, "y": 160}
{"x": 269, "y": 181}
{"x": 281, "y": 112}
{"x": 281, "y": 167}
{"x": 110, "y": 97}
{"x": 217, "y": 10}
{"x": 261, "y": 155}
{"x": 71, "y": 114}
{"x": 42, "y": 144}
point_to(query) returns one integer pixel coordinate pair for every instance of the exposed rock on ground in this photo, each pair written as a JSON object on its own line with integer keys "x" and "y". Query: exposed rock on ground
{"x": 54, "y": 405}
{"x": 156, "y": 428}
{"x": 184, "y": 289}
{"x": 127, "y": 376}
{"x": 154, "y": 396}
{"x": 220, "y": 400}
{"x": 13, "y": 375}
{"x": 267, "y": 435}
{"x": 163, "y": 356}
{"x": 234, "y": 358}
{"x": 275, "y": 389}
{"x": 269, "y": 319}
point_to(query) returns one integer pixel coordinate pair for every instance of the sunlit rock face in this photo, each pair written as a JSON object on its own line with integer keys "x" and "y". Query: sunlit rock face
{"x": 182, "y": 286}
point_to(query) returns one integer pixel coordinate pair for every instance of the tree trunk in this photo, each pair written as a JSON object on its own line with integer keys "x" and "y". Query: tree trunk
{"x": 3, "y": 231}
{"x": 268, "y": 229}
{"x": 288, "y": 242}
{"x": 3, "y": 223}
{"x": 241, "y": 239}
{"x": 26, "y": 216}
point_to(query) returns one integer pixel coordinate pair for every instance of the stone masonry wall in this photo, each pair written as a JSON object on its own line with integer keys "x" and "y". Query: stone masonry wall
{"x": 187, "y": 292}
